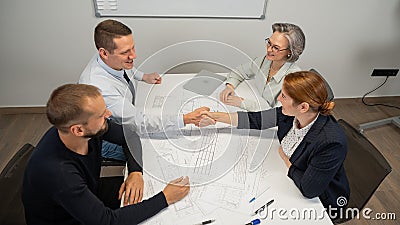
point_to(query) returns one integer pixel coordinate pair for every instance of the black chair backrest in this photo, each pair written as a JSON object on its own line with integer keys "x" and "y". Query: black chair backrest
{"x": 365, "y": 167}
{"x": 11, "y": 208}
{"x": 328, "y": 87}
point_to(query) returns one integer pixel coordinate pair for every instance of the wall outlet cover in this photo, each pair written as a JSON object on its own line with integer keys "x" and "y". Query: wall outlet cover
{"x": 384, "y": 72}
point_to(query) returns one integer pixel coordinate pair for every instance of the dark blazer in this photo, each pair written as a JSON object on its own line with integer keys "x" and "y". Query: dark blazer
{"x": 317, "y": 163}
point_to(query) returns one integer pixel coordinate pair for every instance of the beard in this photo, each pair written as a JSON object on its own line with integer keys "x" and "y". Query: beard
{"x": 99, "y": 133}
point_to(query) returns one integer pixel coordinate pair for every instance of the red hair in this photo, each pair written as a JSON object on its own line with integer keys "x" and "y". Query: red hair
{"x": 309, "y": 87}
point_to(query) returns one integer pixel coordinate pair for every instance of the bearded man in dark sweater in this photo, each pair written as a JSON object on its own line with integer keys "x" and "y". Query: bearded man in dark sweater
{"x": 61, "y": 181}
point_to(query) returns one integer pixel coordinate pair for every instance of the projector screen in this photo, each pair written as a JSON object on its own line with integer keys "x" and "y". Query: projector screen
{"x": 251, "y": 9}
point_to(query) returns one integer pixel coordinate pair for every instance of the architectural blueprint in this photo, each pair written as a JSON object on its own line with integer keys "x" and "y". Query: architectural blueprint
{"x": 224, "y": 164}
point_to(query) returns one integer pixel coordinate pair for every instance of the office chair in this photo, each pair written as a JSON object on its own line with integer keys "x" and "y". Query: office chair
{"x": 11, "y": 208}
{"x": 365, "y": 167}
{"x": 331, "y": 96}
{"x": 112, "y": 175}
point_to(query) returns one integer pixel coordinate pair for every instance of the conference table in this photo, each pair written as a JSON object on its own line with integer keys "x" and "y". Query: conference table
{"x": 233, "y": 172}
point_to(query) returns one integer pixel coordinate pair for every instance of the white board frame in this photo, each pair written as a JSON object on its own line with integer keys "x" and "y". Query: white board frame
{"x": 234, "y": 9}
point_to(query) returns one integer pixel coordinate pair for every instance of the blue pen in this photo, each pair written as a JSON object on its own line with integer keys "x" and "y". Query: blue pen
{"x": 254, "y": 222}
{"x": 254, "y": 198}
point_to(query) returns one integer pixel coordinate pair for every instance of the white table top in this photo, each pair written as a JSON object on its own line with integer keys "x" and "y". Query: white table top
{"x": 237, "y": 167}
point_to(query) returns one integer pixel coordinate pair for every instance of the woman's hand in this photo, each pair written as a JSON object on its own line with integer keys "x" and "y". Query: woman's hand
{"x": 234, "y": 100}
{"x": 228, "y": 91}
{"x": 284, "y": 157}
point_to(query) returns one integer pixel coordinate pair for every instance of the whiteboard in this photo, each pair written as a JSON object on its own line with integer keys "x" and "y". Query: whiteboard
{"x": 252, "y": 9}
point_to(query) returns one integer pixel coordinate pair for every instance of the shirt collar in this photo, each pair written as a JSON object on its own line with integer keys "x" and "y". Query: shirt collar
{"x": 282, "y": 71}
{"x": 303, "y": 131}
{"x": 116, "y": 73}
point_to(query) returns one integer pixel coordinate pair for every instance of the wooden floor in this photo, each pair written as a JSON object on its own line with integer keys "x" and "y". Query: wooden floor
{"x": 18, "y": 127}
{"x": 387, "y": 139}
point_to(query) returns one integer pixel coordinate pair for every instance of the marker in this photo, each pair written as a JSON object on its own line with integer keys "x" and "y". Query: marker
{"x": 254, "y": 198}
{"x": 263, "y": 207}
{"x": 254, "y": 222}
{"x": 205, "y": 222}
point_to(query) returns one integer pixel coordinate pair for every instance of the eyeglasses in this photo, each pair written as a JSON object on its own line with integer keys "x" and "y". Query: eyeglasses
{"x": 274, "y": 48}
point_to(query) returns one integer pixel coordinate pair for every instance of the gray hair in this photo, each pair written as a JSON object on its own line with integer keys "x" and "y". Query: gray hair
{"x": 295, "y": 36}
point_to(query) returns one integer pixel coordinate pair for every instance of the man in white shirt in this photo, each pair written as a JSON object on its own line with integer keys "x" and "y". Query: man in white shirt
{"x": 116, "y": 54}
{"x": 112, "y": 70}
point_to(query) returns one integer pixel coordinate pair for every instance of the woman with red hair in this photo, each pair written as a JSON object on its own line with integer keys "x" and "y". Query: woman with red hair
{"x": 312, "y": 143}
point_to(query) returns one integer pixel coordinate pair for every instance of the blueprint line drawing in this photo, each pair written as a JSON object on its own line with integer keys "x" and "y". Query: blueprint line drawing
{"x": 206, "y": 156}
{"x": 219, "y": 161}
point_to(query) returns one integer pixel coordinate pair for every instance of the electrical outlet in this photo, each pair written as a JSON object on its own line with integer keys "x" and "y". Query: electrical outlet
{"x": 384, "y": 72}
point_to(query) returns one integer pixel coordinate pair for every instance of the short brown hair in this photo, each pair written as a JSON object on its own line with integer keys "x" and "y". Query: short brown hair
{"x": 306, "y": 86}
{"x": 106, "y": 31}
{"x": 66, "y": 105}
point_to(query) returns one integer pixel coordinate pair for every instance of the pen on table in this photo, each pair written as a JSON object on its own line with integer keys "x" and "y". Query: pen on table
{"x": 254, "y": 198}
{"x": 205, "y": 222}
{"x": 254, "y": 222}
{"x": 264, "y": 206}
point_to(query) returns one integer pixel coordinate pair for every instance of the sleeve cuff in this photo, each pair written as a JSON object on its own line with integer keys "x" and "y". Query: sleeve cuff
{"x": 234, "y": 82}
{"x": 137, "y": 74}
{"x": 162, "y": 199}
{"x": 180, "y": 121}
{"x": 243, "y": 120}
{"x": 134, "y": 167}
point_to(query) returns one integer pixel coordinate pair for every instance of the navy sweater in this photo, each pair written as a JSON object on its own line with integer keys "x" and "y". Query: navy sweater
{"x": 61, "y": 186}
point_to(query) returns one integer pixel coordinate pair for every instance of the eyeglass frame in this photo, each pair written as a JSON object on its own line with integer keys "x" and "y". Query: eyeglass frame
{"x": 273, "y": 47}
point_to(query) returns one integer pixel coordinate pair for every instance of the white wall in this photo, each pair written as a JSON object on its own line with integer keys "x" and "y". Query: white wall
{"x": 47, "y": 43}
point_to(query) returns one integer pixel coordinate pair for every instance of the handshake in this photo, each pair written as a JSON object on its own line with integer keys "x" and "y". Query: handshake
{"x": 202, "y": 117}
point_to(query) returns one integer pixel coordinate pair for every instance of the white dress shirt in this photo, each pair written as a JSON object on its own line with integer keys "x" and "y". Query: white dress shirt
{"x": 258, "y": 69}
{"x": 294, "y": 137}
{"x": 118, "y": 98}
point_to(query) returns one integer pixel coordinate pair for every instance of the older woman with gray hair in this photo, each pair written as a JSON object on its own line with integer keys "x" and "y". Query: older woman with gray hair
{"x": 283, "y": 49}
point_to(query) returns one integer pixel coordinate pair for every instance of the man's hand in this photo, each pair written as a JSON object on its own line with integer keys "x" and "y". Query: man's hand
{"x": 207, "y": 119}
{"x": 195, "y": 117}
{"x": 234, "y": 100}
{"x": 152, "y": 78}
{"x": 133, "y": 187}
{"x": 284, "y": 157}
{"x": 228, "y": 91}
{"x": 176, "y": 190}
